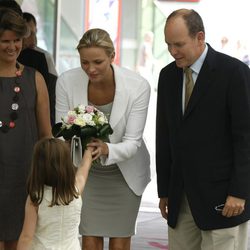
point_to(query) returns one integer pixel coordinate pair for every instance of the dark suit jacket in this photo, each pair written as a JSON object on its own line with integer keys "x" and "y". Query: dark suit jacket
{"x": 37, "y": 60}
{"x": 205, "y": 152}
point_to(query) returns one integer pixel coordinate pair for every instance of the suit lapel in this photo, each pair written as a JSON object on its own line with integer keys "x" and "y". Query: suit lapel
{"x": 120, "y": 100}
{"x": 203, "y": 83}
{"x": 177, "y": 94}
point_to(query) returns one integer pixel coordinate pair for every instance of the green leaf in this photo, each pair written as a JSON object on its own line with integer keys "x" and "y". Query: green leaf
{"x": 105, "y": 130}
{"x": 68, "y": 133}
{"x": 57, "y": 130}
{"x": 88, "y": 131}
{"x": 85, "y": 141}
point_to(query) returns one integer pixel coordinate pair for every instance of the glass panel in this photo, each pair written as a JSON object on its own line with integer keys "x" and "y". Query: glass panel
{"x": 44, "y": 11}
{"x": 71, "y": 30}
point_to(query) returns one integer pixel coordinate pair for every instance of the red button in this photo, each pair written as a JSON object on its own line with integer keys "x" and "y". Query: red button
{"x": 12, "y": 124}
{"x": 18, "y": 73}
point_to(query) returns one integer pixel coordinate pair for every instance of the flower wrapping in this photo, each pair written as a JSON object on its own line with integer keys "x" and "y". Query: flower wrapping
{"x": 85, "y": 122}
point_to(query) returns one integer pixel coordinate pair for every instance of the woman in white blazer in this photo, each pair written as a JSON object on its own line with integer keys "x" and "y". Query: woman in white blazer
{"x": 113, "y": 191}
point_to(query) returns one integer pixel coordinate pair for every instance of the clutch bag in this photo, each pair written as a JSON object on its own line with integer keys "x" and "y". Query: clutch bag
{"x": 76, "y": 150}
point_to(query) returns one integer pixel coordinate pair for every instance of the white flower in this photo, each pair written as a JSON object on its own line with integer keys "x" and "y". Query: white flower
{"x": 71, "y": 113}
{"x": 76, "y": 122}
{"x": 80, "y": 122}
{"x": 81, "y": 108}
{"x": 101, "y": 120}
{"x": 66, "y": 126}
{"x": 89, "y": 119}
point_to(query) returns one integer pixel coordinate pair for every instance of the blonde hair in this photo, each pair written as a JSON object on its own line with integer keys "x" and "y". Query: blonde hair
{"x": 97, "y": 38}
{"x": 52, "y": 166}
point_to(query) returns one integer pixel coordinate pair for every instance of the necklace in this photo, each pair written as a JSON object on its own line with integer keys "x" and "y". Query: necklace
{"x": 5, "y": 126}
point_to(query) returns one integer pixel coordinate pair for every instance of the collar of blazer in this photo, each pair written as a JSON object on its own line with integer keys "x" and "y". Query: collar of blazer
{"x": 80, "y": 94}
{"x": 121, "y": 97}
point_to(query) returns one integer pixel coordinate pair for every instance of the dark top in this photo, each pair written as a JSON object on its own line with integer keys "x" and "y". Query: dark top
{"x": 37, "y": 60}
{"x": 15, "y": 152}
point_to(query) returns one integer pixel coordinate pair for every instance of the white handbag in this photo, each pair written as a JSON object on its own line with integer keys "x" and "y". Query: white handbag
{"x": 76, "y": 150}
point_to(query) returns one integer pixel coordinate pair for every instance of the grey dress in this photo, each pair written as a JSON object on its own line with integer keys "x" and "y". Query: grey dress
{"x": 15, "y": 152}
{"x": 110, "y": 207}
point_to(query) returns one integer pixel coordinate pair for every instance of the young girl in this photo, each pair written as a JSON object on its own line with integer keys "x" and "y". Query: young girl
{"x": 53, "y": 206}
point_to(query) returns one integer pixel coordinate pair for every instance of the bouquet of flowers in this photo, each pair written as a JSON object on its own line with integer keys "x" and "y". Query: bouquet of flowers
{"x": 84, "y": 122}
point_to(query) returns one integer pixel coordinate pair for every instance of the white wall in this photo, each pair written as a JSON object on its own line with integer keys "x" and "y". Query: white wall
{"x": 221, "y": 18}
{"x": 73, "y": 13}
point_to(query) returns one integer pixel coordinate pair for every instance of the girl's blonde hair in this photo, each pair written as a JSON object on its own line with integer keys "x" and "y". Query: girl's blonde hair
{"x": 97, "y": 38}
{"x": 52, "y": 166}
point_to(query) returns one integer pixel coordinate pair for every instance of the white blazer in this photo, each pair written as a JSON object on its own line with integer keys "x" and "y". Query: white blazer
{"x": 128, "y": 117}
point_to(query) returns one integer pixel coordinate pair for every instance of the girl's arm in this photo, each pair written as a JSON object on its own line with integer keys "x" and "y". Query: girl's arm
{"x": 83, "y": 169}
{"x": 42, "y": 107}
{"x": 29, "y": 226}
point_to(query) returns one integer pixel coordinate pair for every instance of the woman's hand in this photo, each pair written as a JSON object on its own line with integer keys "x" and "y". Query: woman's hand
{"x": 100, "y": 148}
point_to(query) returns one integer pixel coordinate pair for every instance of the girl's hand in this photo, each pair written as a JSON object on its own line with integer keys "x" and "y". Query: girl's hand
{"x": 90, "y": 150}
{"x": 88, "y": 154}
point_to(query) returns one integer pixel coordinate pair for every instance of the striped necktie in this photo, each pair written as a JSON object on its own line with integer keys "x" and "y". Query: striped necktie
{"x": 189, "y": 85}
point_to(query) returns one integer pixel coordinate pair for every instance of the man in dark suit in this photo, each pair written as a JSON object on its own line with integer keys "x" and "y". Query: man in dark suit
{"x": 202, "y": 147}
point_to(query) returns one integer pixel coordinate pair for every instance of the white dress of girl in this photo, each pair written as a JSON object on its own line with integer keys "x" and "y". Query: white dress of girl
{"x": 57, "y": 226}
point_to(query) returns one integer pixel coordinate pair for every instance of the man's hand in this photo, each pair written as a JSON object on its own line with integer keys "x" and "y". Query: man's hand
{"x": 233, "y": 207}
{"x": 163, "y": 205}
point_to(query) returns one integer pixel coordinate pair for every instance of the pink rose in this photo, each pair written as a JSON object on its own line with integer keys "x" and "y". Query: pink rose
{"x": 71, "y": 119}
{"x": 90, "y": 109}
